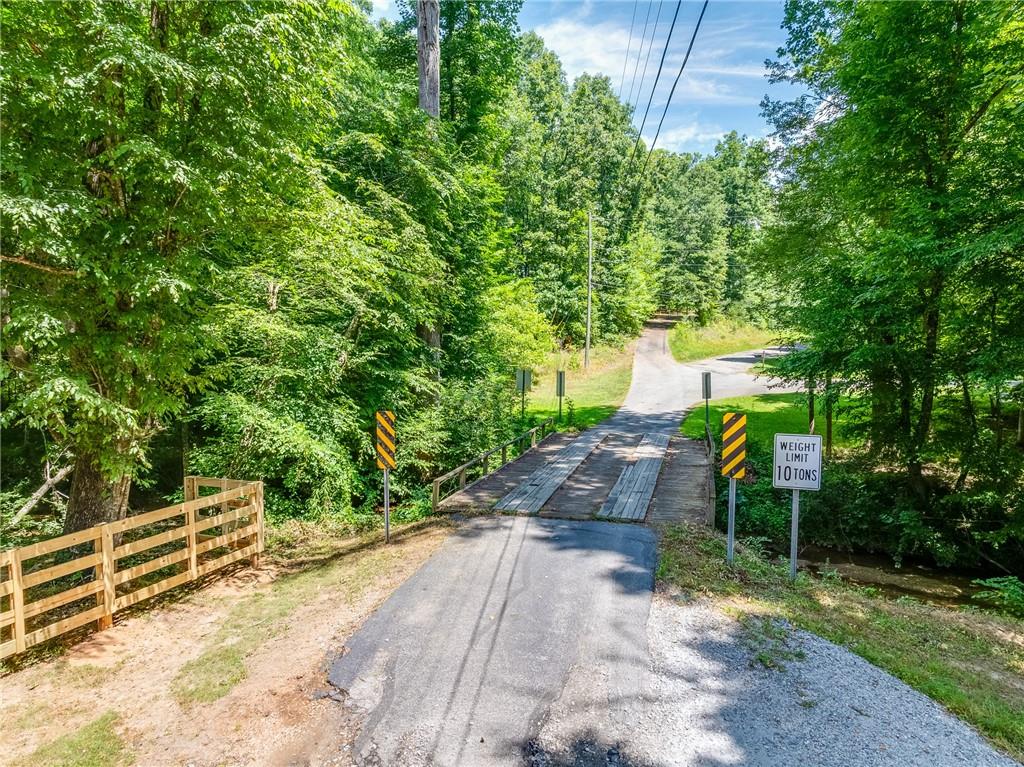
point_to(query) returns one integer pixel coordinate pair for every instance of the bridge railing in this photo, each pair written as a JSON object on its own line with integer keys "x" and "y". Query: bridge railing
{"x": 709, "y": 444}
{"x": 478, "y": 468}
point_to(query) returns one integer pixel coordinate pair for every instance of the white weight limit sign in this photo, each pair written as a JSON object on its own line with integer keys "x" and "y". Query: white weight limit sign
{"x": 797, "y": 466}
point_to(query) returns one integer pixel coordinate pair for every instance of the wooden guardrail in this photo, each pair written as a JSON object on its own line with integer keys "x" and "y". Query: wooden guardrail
{"x": 709, "y": 442}
{"x": 55, "y": 586}
{"x": 484, "y": 462}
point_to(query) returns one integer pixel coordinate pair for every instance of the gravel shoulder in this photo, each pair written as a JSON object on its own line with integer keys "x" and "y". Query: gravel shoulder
{"x": 709, "y": 699}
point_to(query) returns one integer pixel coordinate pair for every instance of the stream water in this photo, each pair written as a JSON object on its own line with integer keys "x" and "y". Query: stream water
{"x": 914, "y": 579}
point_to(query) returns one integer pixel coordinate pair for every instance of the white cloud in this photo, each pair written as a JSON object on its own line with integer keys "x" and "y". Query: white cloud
{"x": 381, "y": 8}
{"x": 601, "y": 49}
{"x": 689, "y": 137}
{"x": 729, "y": 71}
{"x": 582, "y": 47}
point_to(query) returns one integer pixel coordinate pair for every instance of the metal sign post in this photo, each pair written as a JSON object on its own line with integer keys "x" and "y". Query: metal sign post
{"x": 385, "y": 447}
{"x": 387, "y": 506}
{"x": 734, "y": 452}
{"x": 730, "y": 541}
{"x": 796, "y": 466}
{"x": 524, "y": 378}
{"x": 706, "y": 382}
{"x": 560, "y": 391}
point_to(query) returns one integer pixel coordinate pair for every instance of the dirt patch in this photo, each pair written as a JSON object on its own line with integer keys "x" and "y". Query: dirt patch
{"x": 270, "y": 716}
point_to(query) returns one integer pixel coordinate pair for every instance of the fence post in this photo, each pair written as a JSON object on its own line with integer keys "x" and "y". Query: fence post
{"x": 254, "y": 561}
{"x": 106, "y": 620}
{"x": 193, "y": 557}
{"x": 486, "y": 462}
{"x": 17, "y": 601}
{"x": 462, "y": 479}
{"x": 190, "y": 488}
{"x": 435, "y": 496}
{"x": 504, "y": 454}
{"x": 533, "y": 437}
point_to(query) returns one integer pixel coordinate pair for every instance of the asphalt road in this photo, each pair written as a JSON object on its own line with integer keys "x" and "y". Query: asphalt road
{"x": 461, "y": 664}
{"x": 663, "y": 390}
{"x": 539, "y": 642}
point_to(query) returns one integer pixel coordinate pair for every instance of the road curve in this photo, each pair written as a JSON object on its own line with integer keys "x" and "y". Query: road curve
{"x": 663, "y": 390}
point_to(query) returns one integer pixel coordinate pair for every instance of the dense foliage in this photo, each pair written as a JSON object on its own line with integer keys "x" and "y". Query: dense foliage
{"x": 900, "y": 245}
{"x": 230, "y": 234}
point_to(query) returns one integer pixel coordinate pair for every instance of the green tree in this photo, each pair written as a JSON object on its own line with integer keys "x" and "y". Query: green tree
{"x": 142, "y": 141}
{"x": 901, "y": 238}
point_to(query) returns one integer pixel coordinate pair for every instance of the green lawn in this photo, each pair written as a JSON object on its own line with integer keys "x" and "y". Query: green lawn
{"x": 689, "y": 343}
{"x": 767, "y": 415}
{"x": 595, "y": 393}
{"x": 971, "y": 661}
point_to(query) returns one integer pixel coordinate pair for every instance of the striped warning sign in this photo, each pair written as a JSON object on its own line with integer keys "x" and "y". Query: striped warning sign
{"x": 385, "y": 439}
{"x": 734, "y": 445}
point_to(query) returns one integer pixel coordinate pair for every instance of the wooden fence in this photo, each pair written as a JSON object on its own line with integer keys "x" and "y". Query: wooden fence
{"x": 462, "y": 473}
{"x": 55, "y": 586}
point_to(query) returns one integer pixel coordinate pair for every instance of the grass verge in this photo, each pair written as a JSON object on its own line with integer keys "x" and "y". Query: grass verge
{"x": 767, "y": 415}
{"x": 94, "y": 745}
{"x": 259, "y": 616}
{"x": 969, "y": 660}
{"x": 689, "y": 342}
{"x": 595, "y": 393}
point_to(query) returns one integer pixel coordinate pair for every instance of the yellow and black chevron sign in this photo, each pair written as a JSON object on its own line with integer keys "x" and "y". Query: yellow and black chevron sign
{"x": 734, "y": 445}
{"x": 385, "y": 439}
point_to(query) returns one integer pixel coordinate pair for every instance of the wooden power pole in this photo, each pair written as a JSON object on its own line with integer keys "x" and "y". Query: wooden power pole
{"x": 590, "y": 285}
{"x": 428, "y": 54}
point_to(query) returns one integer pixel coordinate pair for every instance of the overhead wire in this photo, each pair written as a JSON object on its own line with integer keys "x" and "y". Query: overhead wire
{"x": 657, "y": 77}
{"x": 671, "y": 93}
{"x": 640, "y": 53}
{"x": 653, "y": 36}
{"x": 629, "y": 43}
{"x": 661, "y": 64}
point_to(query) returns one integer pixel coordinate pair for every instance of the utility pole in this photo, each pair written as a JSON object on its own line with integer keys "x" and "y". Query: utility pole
{"x": 428, "y": 55}
{"x": 590, "y": 285}
{"x": 428, "y": 60}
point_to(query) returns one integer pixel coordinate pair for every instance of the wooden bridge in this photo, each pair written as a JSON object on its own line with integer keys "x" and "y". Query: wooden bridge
{"x": 600, "y": 474}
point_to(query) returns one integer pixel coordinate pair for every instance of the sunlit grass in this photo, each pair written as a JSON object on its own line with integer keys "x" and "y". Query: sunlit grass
{"x": 94, "y": 745}
{"x": 596, "y": 392}
{"x": 689, "y": 343}
{"x": 968, "y": 660}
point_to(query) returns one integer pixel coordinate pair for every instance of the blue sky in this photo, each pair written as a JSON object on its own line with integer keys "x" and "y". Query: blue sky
{"x": 723, "y": 83}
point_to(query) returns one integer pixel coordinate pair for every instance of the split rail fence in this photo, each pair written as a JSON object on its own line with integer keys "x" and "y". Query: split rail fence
{"x": 56, "y": 586}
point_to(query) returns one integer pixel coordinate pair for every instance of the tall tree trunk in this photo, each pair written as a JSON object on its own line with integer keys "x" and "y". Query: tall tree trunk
{"x": 811, "y": 384}
{"x": 153, "y": 96}
{"x": 924, "y": 417}
{"x": 94, "y": 498}
{"x": 828, "y": 416}
{"x": 428, "y": 54}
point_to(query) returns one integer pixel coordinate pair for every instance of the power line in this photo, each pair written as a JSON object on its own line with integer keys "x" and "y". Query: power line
{"x": 654, "y": 35}
{"x": 686, "y": 58}
{"x": 640, "y": 53}
{"x": 629, "y": 165}
{"x": 629, "y": 42}
{"x": 657, "y": 77}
